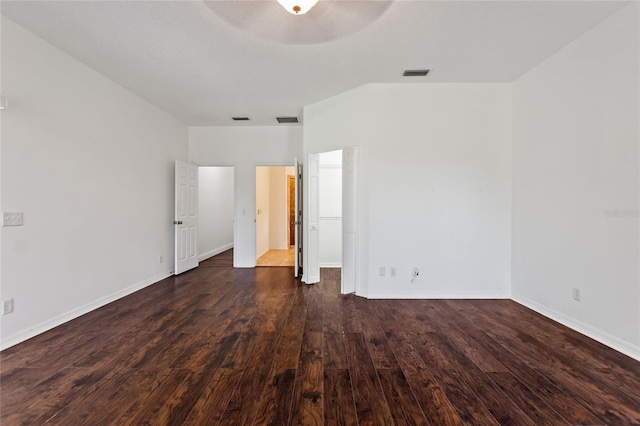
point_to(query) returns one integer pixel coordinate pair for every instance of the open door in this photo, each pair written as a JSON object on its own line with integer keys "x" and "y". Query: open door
{"x": 186, "y": 217}
{"x": 312, "y": 217}
{"x": 298, "y": 219}
{"x": 348, "y": 220}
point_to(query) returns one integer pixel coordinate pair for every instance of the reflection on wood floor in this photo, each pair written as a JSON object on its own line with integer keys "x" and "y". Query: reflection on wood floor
{"x": 277, "y": 258}
{"x": 223, "y": 259}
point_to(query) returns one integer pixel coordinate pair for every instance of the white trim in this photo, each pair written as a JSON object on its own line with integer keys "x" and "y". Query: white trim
{"x": 331, "y": 265}
{"x": 426, "y": 295}
{"x": 49, "y": 324}
{"x": 603, "y": 337}
{"x": 215, "y": 251}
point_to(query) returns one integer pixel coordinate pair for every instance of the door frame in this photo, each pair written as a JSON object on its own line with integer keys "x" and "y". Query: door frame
{"x": 255, "y": 194}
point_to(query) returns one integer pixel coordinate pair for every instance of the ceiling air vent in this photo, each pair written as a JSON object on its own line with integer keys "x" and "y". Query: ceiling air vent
{"x": 283, "y": 120}
{"x": 415, "y": 73}
{"x": 240, "y": 118}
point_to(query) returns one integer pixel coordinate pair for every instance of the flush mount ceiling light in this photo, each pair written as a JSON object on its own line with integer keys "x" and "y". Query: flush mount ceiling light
{"x": 328, "y": 21}
{"x": 297, "y": 7}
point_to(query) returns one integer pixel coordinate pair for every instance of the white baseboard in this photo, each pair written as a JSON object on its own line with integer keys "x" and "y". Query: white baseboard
{"x": 603, "y": 337}
{"x": 427, "y": 295}
{"x": 331, "y": 265}
{"x": 211, "y": 253}
{"x": 40, "y": 328}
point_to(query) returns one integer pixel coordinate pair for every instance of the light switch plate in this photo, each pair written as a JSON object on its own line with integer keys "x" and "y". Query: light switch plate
{"x": 12, "y": 219}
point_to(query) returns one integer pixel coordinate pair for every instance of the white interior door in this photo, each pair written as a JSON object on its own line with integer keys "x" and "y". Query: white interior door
{"x": 297, "y": 219}
{"x": 349, "y": 220}
{"x": 186, "y": 217}
{"x": 312, "y": 218}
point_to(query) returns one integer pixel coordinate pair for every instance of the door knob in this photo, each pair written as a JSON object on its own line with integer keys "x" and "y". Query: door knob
{"x": 177, "y": 222}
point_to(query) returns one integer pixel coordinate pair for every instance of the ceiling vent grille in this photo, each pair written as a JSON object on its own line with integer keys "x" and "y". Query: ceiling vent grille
{"x": 415, "y": 73}
{"x": 240, "y": 118}
{"x": 287, "y": 120}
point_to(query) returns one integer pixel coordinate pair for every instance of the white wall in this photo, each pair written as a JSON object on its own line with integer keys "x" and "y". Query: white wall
{"x": 576, "y": 159}
{"x": 92, "y": 167}
{"x": 245, "y": 148}
{"x": 434, "y": 184}
{"x": 263, "y": 199}
{"x": 330, "y": 209}
{"x": 215, "y": 210}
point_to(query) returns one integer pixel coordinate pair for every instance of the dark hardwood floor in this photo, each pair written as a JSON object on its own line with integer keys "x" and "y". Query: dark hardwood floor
{"x": 219, "y": 345}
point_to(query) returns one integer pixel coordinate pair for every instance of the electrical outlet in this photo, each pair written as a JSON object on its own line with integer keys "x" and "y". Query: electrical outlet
{"x": 160, "y": 259}
{"x": 383, "y": 271}
{"x": 7, "y": 306}
{"x": 576, "y": 294}
{"x": 12, "y": 219}
{"x": 392, "y": 272}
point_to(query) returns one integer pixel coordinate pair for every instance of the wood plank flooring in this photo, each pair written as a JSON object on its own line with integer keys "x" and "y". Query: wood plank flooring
{"x": 227, "y": 346}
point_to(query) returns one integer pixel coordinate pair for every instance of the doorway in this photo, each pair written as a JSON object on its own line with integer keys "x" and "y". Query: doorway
{"x": 216, "y": 196}
{"x": 311, "y": 228}
{"x": 330, "y": 209}
{"x": 274, "y": 198}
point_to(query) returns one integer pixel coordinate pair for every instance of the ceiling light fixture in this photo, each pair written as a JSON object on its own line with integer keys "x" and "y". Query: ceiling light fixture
{"x": 297, "y": 7}
{"x": 3, "y": 102}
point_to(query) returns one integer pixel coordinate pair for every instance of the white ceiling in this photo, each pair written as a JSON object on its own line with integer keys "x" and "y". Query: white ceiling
{"x": 204, "y": 62}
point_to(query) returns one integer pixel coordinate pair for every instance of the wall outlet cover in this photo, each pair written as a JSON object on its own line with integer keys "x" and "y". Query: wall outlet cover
{"x": 576, "y": 294}
{"x": 7, "y": 306}
{"x": 12, "y": 219}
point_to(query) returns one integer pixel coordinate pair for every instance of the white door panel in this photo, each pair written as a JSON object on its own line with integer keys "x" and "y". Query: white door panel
{"x": 297, "y": 219}
{"x": 349, "y": 220}
{"x": 312, "y": 274}
{"x": 186, "y": 220}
